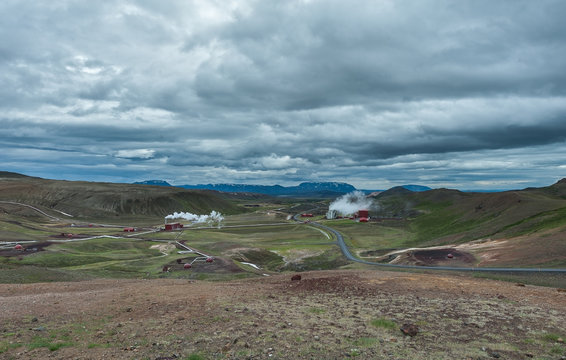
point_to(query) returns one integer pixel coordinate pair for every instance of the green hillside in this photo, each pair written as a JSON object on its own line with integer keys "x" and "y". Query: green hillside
{"x": 529, "y": 225}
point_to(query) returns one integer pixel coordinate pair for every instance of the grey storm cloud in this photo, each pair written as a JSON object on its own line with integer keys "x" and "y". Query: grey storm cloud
{"x": 374, "y": 93}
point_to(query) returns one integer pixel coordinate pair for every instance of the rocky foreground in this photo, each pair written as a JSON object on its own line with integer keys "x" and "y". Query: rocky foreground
{"x": 325, "y": 315}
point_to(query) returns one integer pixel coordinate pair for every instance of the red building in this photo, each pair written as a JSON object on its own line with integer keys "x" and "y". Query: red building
{"x": 362, "y": 214}
{"x": 129, "y": 229}
{"x": 173, "y": 226}
{"x": 306, "y": 215}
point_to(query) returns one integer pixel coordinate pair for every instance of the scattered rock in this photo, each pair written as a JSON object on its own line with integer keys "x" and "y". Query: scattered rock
{"x": 296, "y": 277}
{"x": 561, "y": 290}
{"x": 317, "y": 338}
{"x": 409, "y": 329}
{"x": 560, "y": 340}
{"x": 227, "y": 347}
{"x": 491, "y": 353}
{"x": 40, "y": 328}
{"x": 520, "y": 284}
{"x": 34, "y": 319}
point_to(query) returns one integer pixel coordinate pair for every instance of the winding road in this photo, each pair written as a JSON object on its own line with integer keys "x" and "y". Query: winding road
{"x": 346, "y": 251}
{"x": 33, "y": 208}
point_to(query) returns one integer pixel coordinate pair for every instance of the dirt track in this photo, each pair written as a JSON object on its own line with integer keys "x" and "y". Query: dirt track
{"x": 326, "y": 315}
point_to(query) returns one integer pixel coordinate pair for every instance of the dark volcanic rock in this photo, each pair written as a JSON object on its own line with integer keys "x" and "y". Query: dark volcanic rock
{"x": 409, "y": 329}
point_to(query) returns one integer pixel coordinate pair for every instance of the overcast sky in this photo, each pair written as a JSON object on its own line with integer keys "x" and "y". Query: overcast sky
{"x": 458, "y": 94}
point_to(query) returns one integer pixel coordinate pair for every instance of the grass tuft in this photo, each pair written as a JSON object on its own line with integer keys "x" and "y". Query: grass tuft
{"x": 383, "y": 323}
{"x": 195, "y": 357}
{"x": 314, "y": 310}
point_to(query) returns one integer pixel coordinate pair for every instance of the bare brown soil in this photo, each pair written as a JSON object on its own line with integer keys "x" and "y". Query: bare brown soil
{"x": 219, "y": 266}
{"x": 326, "y": 315}
{"x": 448, "y": 256}
{"x": 437, "y": 256}
{"x": 27, "y": 249}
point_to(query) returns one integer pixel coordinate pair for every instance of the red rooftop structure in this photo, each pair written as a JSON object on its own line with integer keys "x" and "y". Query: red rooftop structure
{"x": 173, "y": 226}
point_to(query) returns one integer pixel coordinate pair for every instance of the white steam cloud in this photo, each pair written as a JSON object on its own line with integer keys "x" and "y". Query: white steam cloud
{"x": 350, "y": 203}
{"x": 214, "y": 217}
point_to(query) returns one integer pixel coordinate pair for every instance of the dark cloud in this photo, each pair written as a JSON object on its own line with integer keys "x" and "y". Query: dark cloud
{"x": 373, "y": 93}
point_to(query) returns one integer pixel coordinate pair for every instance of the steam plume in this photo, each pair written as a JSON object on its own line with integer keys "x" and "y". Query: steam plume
{"x": 350, "y": 203}
{"x": 214, "y": 217}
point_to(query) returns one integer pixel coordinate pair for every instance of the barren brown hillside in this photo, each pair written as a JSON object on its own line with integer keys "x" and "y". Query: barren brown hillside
{"x": 96, "y": 199}
{"x": 326, "y": 315}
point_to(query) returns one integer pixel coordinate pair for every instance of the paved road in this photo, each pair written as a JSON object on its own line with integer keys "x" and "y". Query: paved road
{"x": 349, "y": 256}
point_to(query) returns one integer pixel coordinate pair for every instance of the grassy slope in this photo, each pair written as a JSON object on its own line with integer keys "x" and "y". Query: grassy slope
{"x": 102, "y": 200}
{"x": 532, "y": 221}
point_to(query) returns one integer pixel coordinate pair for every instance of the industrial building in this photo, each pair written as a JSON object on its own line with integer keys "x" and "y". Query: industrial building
{"x": 173, "y": 226}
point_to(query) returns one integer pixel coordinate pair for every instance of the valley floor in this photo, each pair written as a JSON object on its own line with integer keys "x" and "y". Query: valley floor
{"x": 326, "y": 315}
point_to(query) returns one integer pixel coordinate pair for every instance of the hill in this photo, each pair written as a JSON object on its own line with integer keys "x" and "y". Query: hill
{"x": 109, "y": 200}
{"x": 514, "y": 227}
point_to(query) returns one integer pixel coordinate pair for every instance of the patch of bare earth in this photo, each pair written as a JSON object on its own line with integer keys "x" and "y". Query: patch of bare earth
{"x": 326, "y": 315}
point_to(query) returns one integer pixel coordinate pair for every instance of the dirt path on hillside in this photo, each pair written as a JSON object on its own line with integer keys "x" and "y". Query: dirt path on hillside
{"x": 330, "y": 315}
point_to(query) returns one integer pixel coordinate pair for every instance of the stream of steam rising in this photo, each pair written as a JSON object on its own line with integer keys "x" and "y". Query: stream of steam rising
{"x": 350, "y": 203}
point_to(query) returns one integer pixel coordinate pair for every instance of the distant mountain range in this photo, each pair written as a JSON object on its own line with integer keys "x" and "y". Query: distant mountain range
{"x": 319, "y": 189}
{"x": 416, "y": 188}
{"x": 153, "y": 182}
{"x": 303, "y": 189}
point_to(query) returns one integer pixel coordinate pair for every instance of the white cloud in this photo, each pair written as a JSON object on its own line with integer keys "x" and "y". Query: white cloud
{"x": 135, "y": 154}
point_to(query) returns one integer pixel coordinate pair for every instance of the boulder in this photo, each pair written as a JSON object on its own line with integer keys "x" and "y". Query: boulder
{"x": 409, "y": 329}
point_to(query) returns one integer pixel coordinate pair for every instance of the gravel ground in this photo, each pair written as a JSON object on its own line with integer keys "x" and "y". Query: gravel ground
{"x": 325, "y": 315}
